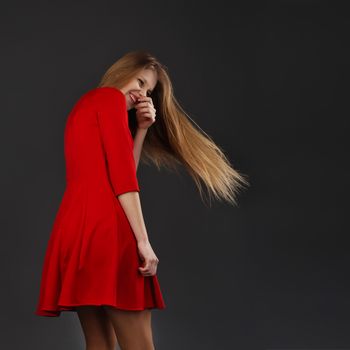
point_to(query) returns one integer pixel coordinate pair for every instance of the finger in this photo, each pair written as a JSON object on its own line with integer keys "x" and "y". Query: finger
{"x": 147, "y": 107}
{"x": 143, "y": 268}
{"x": 154, "y": 266}
{"x": 146, "y": 273}
{"x": 143, "y": 104}
{"x": 145, "y": 99}
{"x": 145, "y": 117}
{"x": 147, "y": 265}
{"x": 144, "y": 109}
{"x": 147, "y": 114}
{"x": 149, "y": 117}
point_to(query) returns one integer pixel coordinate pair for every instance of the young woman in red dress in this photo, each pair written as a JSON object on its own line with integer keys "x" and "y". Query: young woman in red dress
{"x": 99, "y": 261}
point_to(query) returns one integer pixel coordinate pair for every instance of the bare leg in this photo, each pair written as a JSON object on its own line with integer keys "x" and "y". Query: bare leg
{"x": 133, "y": 328}
{"x": 98, "y": 329}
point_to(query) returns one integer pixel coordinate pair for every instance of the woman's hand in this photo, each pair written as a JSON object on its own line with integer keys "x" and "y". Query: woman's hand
{"x": 149, "y": 259}
{"x": 145, "y": 112}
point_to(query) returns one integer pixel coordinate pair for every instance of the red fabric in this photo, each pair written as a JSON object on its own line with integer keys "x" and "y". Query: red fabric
{"x": 91, "y": 256}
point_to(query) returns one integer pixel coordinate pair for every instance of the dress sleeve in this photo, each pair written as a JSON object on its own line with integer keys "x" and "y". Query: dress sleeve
{"x": 117, "y": 140}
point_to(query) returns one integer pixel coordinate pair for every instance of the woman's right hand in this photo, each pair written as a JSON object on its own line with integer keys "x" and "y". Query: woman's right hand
{"x": 145, "y": 112}
{"x": 150, "y": 260}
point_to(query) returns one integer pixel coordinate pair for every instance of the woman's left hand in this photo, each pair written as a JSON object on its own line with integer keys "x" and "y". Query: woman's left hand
{"x": 145, "y": 112}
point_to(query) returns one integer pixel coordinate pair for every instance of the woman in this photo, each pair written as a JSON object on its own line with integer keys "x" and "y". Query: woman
{"x": 99, "y": 261}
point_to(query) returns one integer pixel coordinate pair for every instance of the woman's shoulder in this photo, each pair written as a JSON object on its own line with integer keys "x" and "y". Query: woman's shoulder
{"x": 101, "y": 98}
{"x": 104, "y": 93}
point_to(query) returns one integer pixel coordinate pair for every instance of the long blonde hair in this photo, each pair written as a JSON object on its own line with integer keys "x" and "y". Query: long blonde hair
{"x": 175, "y": 138}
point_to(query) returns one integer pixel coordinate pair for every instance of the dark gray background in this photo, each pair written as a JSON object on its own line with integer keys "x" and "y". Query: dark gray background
{"x": 267, "y": 81}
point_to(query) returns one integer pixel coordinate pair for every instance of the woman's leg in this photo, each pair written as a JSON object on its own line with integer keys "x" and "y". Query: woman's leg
{"x": 133, "y": 328}
{"x": 98, "y": 329}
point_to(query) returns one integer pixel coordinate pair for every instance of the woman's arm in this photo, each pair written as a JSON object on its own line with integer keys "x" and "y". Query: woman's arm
{"x": 130, "y": 202}
{"x": 117, "y": 143}
{"x": 138, "y": 142}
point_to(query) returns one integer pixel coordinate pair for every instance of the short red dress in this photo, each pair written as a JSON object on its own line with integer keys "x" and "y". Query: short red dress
{"x": 91, "y": 256}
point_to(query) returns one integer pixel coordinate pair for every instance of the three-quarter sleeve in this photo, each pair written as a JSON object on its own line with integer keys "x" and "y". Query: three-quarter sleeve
{"x": 117, "y": 140}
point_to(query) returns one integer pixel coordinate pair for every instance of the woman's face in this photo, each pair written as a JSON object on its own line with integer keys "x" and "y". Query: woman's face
{"x": 141, "y": 85}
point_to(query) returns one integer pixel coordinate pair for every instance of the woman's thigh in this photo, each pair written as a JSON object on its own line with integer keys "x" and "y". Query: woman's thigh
{"x": 133, "y": 328}
{"x": 97, "y": 328}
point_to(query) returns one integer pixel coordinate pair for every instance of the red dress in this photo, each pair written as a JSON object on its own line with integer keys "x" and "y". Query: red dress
{"x": 91, "y": 256}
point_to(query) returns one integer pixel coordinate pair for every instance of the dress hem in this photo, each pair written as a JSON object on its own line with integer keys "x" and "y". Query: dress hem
{"x": 72, "y": 308}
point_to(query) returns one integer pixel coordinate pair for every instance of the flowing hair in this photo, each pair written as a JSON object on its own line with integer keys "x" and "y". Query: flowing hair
{"x": 175, "y": 138}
